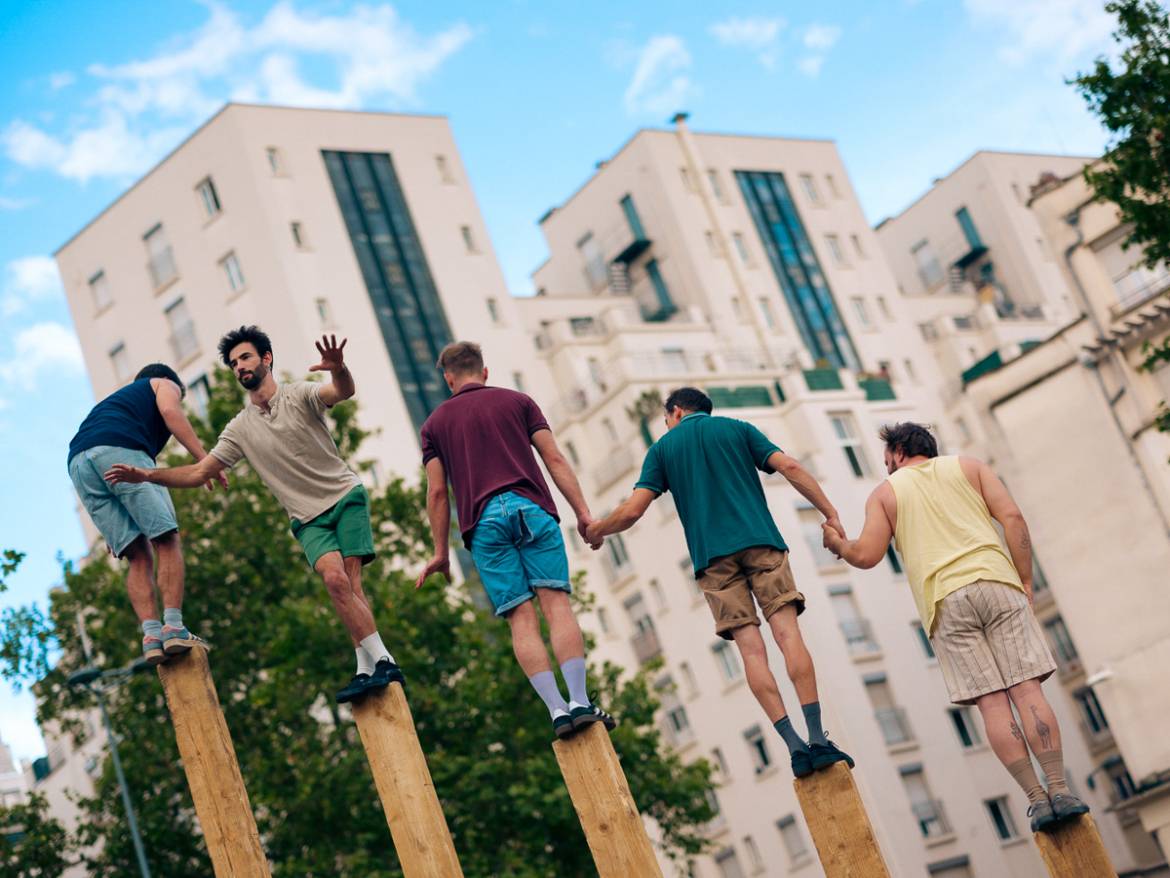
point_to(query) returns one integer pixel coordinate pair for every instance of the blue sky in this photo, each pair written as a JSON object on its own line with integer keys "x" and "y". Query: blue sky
{"x": 536, "y": 93}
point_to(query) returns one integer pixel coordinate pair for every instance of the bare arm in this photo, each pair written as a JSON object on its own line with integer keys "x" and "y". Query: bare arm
{"x": 190, "y": 476}
{"x": 563, "y": 476}
{"x": 439, "y": 515}
{"x": 809, "y": 488}
{"x": 341, "y": 387}
{"x": 1003, "y": 509}
{"x": 623, "y": 517}
{"x": 168, "y": 398}
{"x": 868, "y": 549}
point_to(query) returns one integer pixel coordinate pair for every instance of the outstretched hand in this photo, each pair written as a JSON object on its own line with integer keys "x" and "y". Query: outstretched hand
{"x": 124, "y": 473}
{"x": 437, "y": 564}
{"x": 332, "y": 358}
{"x": 589, "y": 529}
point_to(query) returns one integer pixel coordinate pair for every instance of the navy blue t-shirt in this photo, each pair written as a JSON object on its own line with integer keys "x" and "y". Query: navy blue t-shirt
{"x": 127, "y": 418}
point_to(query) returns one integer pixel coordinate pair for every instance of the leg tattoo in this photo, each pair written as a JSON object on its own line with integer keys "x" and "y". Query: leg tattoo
{"x": 1042, "y": 729}
{"x": 1016, "y": 733}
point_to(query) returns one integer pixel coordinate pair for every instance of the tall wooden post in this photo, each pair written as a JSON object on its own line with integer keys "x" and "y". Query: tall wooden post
{"x": 1074, "y": 850}
{"x": 408, "y": 796}
{"x": 221, "y": 801}
{"x": 597, "y": 785}
{"x": 839, "y": 826}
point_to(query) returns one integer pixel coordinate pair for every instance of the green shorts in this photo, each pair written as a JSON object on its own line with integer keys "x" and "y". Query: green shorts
{"x": 343, "y": 527}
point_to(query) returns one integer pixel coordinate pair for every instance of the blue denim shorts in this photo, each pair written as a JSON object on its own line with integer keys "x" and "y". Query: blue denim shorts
{"x": 517, "y": 547}
{"x": 124, "y": 512}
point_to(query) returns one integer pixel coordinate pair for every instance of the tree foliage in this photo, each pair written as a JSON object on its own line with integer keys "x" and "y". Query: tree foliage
{"x": 280, "y": 653}
{"x": 32, "y": 843}
{"x": 1132, "y": 100}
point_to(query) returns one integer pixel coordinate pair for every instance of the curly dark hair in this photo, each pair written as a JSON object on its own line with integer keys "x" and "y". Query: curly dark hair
{"x": 689, "y": 399}
{"x": 912, "y": 440}
{"x": 253, "y": 334}
{"x": 162, "y": 370}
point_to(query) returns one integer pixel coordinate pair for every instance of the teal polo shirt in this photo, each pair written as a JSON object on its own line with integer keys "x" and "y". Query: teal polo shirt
{"x": 710, "y": 466}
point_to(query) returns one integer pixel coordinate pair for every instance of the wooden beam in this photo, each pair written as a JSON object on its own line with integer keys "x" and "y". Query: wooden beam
{"x": 1073, "y": 849}
{"x": 597, "y": 785}
{"x": 839, "y": 826}
{"x": 416, "y": 820}
{"x": 217, "y": 788}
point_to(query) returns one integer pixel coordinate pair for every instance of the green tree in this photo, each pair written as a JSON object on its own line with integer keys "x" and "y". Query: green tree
{"x": 32, "y": 844}
{"x": 1132, "y": 100}
{"x": 279, "y": 654}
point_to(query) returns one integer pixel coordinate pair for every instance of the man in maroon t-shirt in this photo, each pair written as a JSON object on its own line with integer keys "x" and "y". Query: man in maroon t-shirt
{"x": 482, "y": 439}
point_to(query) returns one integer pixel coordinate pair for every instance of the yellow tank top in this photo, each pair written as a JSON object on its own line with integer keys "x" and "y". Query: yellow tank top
{"x": 945, "y": 534}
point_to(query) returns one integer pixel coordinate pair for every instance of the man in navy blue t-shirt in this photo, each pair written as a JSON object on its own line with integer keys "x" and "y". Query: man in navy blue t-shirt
{"x": 131, "y": 426}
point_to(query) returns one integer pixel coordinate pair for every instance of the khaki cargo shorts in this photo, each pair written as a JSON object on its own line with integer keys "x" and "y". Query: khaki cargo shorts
{"x": 987, "y": 639}
{"x": 729, "y": 583}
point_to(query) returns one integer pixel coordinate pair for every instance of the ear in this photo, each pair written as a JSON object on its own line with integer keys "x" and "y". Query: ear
{"x": 485, "y": 374}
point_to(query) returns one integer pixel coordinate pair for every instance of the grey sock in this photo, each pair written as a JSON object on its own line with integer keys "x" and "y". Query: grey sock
{"x": 574, "y": 672}
{"x": 788, "y": 733}
{"x": 173, "y": 616}
{"x": 545, "y": 684}
{"x": 152, "y": 628}
{"x": 812, "y": 718}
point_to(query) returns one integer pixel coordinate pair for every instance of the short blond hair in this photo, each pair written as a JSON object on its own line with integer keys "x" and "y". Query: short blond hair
{"x": 461, "y": 358}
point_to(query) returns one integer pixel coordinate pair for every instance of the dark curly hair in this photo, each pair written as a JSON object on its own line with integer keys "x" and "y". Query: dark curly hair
{"x": 253, "y": 334}
{"x": 912, "y": 440}
{"x": 689, "y": 399}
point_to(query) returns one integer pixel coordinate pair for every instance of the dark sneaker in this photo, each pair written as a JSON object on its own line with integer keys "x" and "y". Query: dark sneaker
{"x": 152, "y": 650}
{"x": 802, "y": 765}
{"x": 355, "y": 689}
{"x": 385, "y": 673}
{"x": 1042, "y": 816}
{"x": 177, "y": 641}
{"x": 1066, "y": 806}
{"x": 824, "y": 755}
{"x": 562, "y": 725}
{"x": 583, "y": 716}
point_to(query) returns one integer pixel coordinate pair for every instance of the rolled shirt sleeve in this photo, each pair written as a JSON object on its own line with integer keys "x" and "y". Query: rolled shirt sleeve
{"x": 429, "y": 450}
{"x": 653, "y": 476}
{"x": 534, "y": 417}
{"x": 228, "y": 450}
{"x": 759, "y": 446}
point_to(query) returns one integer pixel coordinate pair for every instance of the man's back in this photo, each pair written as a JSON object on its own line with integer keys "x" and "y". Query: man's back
{"x": 127, "y": 418}
{"x": 483, "y": 436}
{"x": 711, "y": 465}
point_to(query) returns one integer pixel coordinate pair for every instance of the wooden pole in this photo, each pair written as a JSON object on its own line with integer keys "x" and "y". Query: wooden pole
{"x": 613, "y": 827}
{"x": 1074, "y": 850}
{"x": 416, "y": 820}
{"x": 221, "y": 801}
{"x": 839, "y": 826}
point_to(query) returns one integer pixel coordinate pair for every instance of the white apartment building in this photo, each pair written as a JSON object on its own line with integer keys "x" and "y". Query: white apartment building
{"x": 744, "y": 266}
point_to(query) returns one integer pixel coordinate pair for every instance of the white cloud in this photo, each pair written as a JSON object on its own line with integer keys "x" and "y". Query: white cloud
{"x": 818, "y": 39}
{"x": 811, "y": 65}
{"x": 7, "y": 202}
{"x": 28, "y": 279}
{"x": 660, "y": 84}
{"x": 1059, "y": 29}
{"x": 60, "y": 80}
{"x": 41, "y": 348}
{"x": 759, "y": 35}
{"x": 144, "y": 106}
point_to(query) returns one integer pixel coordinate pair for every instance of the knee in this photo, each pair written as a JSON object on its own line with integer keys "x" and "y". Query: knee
{"x": 168, "y": 542}
{"x": 336, "y": 582}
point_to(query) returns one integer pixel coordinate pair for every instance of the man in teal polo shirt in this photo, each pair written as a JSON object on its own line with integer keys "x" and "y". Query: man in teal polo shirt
{"x": 710, "y": 466}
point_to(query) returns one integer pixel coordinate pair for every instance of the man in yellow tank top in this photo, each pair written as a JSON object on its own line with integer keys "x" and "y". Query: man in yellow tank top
{"x": 974, "y": 599}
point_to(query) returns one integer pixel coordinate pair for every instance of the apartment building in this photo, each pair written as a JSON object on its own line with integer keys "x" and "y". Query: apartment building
{"x": 744, "y": 265}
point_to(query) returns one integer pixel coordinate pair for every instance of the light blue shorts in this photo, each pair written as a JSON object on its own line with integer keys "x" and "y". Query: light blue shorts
{"x": 517, "y": 547}
{"x": 122, "y": 513}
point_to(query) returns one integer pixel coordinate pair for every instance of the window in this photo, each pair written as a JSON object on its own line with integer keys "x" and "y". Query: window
{"x": 199, "y": 396}
{"x": 929, "y": 270}
{"x": 968, "y": 226}
{"x": 99, "y": 291}
{"x": 758, "y": 748}
{"x": 657, "y": 593}
{"x": 444, "y": 169}
{"x": 674, "y": 360}
{"x": 1001, "y": 818}
{"x": 468, "y": 240}
{"x": 1092, "y": 716}
{"x": 769, "y": 314}
{"x": 611, "y": 432}
{"x": 854, "y": 627}
{"x": 923, "y": 640}
{"x": 690, "y": 684}
{"x": 884, "y": 307}
{"x": 687, "y": 180}
{"x": 120, "y": 360}
{"x": 857, "y": 248}
{"x": 908, "y": 365}
{"x": 927, "y": 810}
{"x": 929, "y": 331}
{"x": 160, "y": 258}
{"x": 1121, "y": 785}
{"x": 632, "y": 219}
{"x": 741, "y": 248}
{"x": 893, "y": 559}
{"x": 603, "y": 620}
{"x": 737, "y": 307}
{"x": 831, "y": 183}
{"x": 323, "y": 313}
{"x": 862, "y": 311}
{"x": 298, "y": 235}
{"x": 208, "y": 198}
{"x": 753, "y": 852}
{"x": 727, "y": 661}
{"x": 275, "y": 161}
{"x": 233, "y": 272}
{"x": 814, "y": 537}
{"x": 793, "y": 840}
{"x": 846, "y": 431}
{"x": 810, "y": 188}
{"x": 595, "y": 271}
{"x": 891, "y": 718}
{"x": 674, "y": 716}
{"x": 712, "y": 244}
{"x": 493, "y": 308}
{"x": 518, "y": 381}
{"x": 573, "y": 455}
{"x": 596, "y": 372}
{"x": 963, "y": 720}
{"x": 663, "y": 305}
{"x": 835, "y": 252}
{"x": 720, "y": 763}
{"x": 183, "y": 341}
{"x": 716, "y": 184}
{"x": 1060, "y": 640}
{"x": 581, "y": 326}
{"x": 728, "y": 862}
{"x": 618, "y": 556}
{"x": 955, "y": 867}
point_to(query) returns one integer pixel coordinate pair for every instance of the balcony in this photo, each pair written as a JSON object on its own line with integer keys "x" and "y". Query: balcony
{"x": 932, "y": 819}
{"x": 646, "y": 646}
{"x": 894, "y": 725}
{"x": 877, "y": 389}
{"x": 1139, "y": 286}
{"x": 184, "y": 344}
{"x": 162, "y": 267}
{"x": 823, "y": 379}
{"x": 859, "y": 637}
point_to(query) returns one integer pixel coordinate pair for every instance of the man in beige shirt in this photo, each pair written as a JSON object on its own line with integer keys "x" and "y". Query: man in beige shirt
{"x": 284, "y": 437}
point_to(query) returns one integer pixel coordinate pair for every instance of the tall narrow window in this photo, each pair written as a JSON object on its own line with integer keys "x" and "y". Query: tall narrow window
{"x": 965, "y": 729}
{"x": 297, "y": 230}
{"x": 160, "y": 257}
{"x": 183, "y": 341}
{"x": 894, "y": 561}
{"x": 444, "y": 169}
{"x": 727, "y": 661}
{"x": 857, "y": 248}
{"x": 199, "y": 396}
{"x": 687, "y": 180}
{"x": 690, "y": 684}
{"x": 518, "y": 381}
{"x": 493, "y": 308}
{"x": 862, "y": 311}
{"x": 793, "y": 839}
{"x": 120, "y": 360}
{"x": 99, "y": 290}
{"x": 712, "y": 244}
{"x": 923, "y": 639}
{"x": 1001, "y": 818}
{"x": 846, "y": 431}
{"x": 884, "y": 307}
{"x": 814, "y": 537}
{"x": 1092, "y": 715}
{"x": 716, "y": 184}
{"x": 753, "y": 851}
{"x": 208, "y": 197}
{"x": 836, "y": 253}
{"x": 468, "y": 239}
{"x": 809, "y": 185}
{"x": 663, "y": 305}
{"x": 831, "y": 182}
{"x": 741, "y": 248}
{"x": 928, "y": 810}
{"x": 728, "y": 862}
{"x": 324, "y": 313}
{"x": 1060, "y": 640}
{"x": 591, "y": 256}
{"x": 275, "y": 161}
{"x": 929, "y": 270}
{"x": 233, "y": 272}
{"x": 968, "y": 226}
{"x": 891, "y": 718}
{"x": 758, "y": 748}
{"x": 856, "y": 629}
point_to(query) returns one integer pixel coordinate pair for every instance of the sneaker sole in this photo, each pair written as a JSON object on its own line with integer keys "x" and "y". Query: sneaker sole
{"x": 563, "y": 732}
{"x": 179, "y": 646}
{"x": 155, "y": 656}
{"x": 820, "y": 766}
{"x": 1069, "y": 815}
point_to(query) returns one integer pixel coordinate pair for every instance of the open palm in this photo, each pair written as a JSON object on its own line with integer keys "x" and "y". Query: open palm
{"x": 332, "y": 358}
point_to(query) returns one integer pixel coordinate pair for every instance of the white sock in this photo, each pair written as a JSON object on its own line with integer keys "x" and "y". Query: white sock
{"x": 573, "y": 705}
{"x": 375, "y": 648}
{"x": 365, "y": 666}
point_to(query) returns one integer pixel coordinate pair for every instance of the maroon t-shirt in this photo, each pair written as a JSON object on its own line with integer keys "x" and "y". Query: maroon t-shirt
{"x": 483, "y": 436}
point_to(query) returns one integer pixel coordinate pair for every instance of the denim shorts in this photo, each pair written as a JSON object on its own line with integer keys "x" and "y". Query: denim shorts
{"x": 517, "y": 547}
{"x": 122, "y": 513}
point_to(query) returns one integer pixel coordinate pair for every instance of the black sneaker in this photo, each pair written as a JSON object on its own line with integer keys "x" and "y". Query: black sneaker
{"x": 1041, "y": 816}
{"x": 385, "y": 673}
{"x": 1066, "y": 806}
{"x": 824, "y": 755}
{"x": 354, "y": 690}
{"x": 802, "y": 765}
{"x": 563, "y": 725}
{"x": 583, "y": 716}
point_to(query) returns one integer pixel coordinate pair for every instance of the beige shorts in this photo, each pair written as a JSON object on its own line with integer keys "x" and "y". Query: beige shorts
{"x": 987, "y": 639}
{"x": 730, "y": 582}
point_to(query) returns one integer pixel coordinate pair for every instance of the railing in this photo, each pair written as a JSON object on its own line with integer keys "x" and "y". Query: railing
{"x": 162, "y": 267}
{"x": 183, "y": 342}
{"x": 859, "y": 636}
{"x": 932, "y": 819}
{"x": 646, "y": 645}
{"x": 1140, "y": 286}
{"x": 894, "y": 725}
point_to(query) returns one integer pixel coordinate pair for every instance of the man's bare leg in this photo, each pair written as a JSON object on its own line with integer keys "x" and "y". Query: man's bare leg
{"x": 797, "y": 660}
{"x": 171, "y": 570}
{"x": 1007, "y": 742}
{"x": 353, "y": 610}
{"x": 1043, "y": 734}
{"x": 371, "y": 645}
{"x": 532, "y": 657}
{"x": 568, "y": 644}
{"x": 759, "y": 676}
{"x": 140, "y": 580}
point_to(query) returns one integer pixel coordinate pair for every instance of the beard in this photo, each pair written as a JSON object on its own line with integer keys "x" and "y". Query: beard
{"x": 252, "y": 380}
